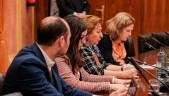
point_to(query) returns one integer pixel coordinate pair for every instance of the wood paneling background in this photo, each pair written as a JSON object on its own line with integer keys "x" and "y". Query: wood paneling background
{"x": 18, "y": 25}
{"x": 155, "y": 16}
{"x": 97, "y": 7}
{"x": 3, "y": 42}
{"x": 41, "y": 10}
{"x": 150, "y": 15}
{"x": 16, "y": 29}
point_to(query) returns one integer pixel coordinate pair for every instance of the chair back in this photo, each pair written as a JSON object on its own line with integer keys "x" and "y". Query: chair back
{"x": 153, "y": 41}
{"x": 129, "y": 45}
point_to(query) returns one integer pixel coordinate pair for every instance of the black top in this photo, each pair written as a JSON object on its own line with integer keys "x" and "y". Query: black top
{"x": 105, "y": 46}
{"x": 67, "y": 7}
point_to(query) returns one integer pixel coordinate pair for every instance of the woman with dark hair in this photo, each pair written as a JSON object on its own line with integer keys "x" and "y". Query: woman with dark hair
{"x": 71, "y": 70}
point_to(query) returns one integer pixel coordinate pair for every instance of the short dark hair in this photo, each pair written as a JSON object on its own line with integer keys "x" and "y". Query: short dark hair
{"x": 77, "y": 27}
{"x": 51, "y": 30}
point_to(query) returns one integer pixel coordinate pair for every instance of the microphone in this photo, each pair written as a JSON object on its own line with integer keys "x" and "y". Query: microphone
{"x": 149, "y": 45}
{"x": 165, "y": 86}
{"x": 159, "y": 42}
{"x": 140, "y": 62}
{"x": 153, "y": 92}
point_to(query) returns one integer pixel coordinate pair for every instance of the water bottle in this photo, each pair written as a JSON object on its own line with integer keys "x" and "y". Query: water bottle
{"x": 161, "y": 63}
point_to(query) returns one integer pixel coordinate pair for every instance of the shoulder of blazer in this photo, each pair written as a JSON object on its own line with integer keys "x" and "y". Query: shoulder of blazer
{"x": 30, "y": 54}
{"x": 105, "y": 42}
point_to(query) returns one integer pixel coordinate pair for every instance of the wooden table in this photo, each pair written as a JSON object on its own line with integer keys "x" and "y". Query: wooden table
{"x": 149, "y": 57}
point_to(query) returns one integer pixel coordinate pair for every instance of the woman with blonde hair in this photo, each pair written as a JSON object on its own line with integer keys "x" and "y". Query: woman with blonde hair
{"x": 112, "y": 46}
{"x": 94, "y": 62}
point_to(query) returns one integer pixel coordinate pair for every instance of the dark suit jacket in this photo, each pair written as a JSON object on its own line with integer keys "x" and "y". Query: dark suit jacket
{"x": 29, "y": 75}
{"x": 67, "y": 7}
{"x": 105, "y": 47}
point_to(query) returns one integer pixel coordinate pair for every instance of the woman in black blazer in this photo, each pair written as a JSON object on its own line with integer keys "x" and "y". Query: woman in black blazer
{"x": 112, "y": 45}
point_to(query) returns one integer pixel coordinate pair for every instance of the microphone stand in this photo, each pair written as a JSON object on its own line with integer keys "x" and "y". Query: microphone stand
{"x": 162, "y": 44}
{"x": 152, "y": 74}
{"x": 157, "y": 41}
{"x": 149, "y": 45}
{"x": 138, "y": 61}
{"x": 153, "y": 92}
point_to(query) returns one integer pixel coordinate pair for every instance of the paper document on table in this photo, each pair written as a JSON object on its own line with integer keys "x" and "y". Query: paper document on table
{"x": 146, "y": 66}
{"x": 154, "y": 65}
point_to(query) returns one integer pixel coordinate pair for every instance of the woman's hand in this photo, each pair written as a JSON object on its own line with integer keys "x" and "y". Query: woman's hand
{"x": 120, "y": 81}
{"x": 123, "y": 81}
{"x": 121, "y": 90}
{"x": 116, "y": 87}
{"x": 131, "y": 73}
{"x": 128, "y": 67}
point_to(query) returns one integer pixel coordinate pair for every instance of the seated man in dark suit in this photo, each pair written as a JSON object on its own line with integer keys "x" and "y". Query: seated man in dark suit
{"x": 31, "y": 71}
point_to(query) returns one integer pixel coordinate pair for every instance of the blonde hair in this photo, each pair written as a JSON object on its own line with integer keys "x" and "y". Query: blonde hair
{"x": 116, "y": 24}
{"x": 91, "y": 21}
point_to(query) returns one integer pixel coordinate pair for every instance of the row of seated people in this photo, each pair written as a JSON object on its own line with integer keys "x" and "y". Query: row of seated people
{"x": 67, "y": 48}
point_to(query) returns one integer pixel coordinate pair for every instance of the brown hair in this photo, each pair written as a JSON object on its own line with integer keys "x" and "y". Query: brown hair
{"x": 77, "y": 27}
{"x": 91, "y": 21}
{"x": 116, "y": 24}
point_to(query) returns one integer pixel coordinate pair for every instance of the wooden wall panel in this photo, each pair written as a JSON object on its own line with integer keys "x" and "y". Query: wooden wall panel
{"x": 10, "y": 24}
{"x": 115, "y": 6}
{"x": 97, "y": 7}
{"x": 1, "y": 16}
{"x": 17, "y": 25}
{"x": 97, "y": 4}
{"x": 27, "y": 23}
{"x": 3, "y": 42}
{"x": 150, "y": 15}
{"x": 41, "y": 10}
{"x": 155, "y": 16}
{"x": 16, "y": 29}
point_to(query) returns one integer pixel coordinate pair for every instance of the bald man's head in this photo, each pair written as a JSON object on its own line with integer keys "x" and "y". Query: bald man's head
{"x": 50, "y": 29}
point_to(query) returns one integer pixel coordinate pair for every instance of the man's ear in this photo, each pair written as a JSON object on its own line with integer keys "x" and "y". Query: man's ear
{"x": 61, "y": 41}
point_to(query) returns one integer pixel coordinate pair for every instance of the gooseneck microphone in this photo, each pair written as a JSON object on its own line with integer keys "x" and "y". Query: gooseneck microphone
{"x": 159, "y": 42}
{"x": 153, "y": 92}
{"x": 149, "y": 45}
{"x": 165, "y": 85}
{"x": 140, "y": 62}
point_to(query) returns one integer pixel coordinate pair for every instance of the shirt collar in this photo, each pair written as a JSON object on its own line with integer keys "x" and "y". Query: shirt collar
{"x": 49, "y": 61}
